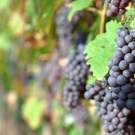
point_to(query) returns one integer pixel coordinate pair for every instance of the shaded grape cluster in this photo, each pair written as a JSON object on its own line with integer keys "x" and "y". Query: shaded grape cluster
{"x": 76, "y": 77}
{"x": 122, "y": 69}
{"x": 116, "y": 7}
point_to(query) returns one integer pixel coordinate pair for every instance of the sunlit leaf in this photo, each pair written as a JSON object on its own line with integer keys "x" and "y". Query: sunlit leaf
{"x": 100, "y": 50}
{"x": 4, "y": 4}
{"x": 32, "y": 111}
{"x": 78, "y": 5}
{"x": 16, "y": 23}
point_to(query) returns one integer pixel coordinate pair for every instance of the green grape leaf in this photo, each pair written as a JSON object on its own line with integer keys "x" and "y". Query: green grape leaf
{"x": 130, "y": 17}
{"x": 91, "y": 79}
{"x": 100, "y": 50}
{"x": 78, "y": 5}
{"x": 32, "y": 112}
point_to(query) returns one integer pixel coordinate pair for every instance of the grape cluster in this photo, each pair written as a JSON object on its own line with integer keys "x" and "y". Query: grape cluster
{"x": 76, "y": 75}
{"x": 116, "y": 7}
{"x": 115, "y": 121}
{"x": 64, "y": 28}
{"x": 122, "y": 69}
{"x": 115, "y": 97}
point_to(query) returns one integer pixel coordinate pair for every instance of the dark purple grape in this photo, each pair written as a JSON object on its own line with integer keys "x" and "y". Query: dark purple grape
{"x": 116, "y": 60}
{"x": 121, "y": 103}
{"x": 122, "y": 95}
{"x": 133, "y": 53}
{"x": 112, "y": 81}
{"x": 128, "y": 38}
{"x": 115, "y": 74}
{"x": 123, "y": 65}
{"x": 120, "y": 42}
{"x": 123, "y": 33}
{"x": 115, "y": 68}
{"x": 116, "y": 89}
{"x": 118, "y": 54}
{"x": 132, "y": 45}
{"x": 126, "y": 49}
{"x": 121, "y": 80}
{"x": 132, "y": 67}
{"x": 129, "y": 57}
{"x": 127, "y": 73}
{"x": 127, "y": 88}
{"x": 130, "y": 103}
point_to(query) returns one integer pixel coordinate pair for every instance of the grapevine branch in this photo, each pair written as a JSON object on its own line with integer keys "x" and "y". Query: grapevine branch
{"x": 102, "y": 22}
{"x": 102, "y": 14}
{"x": 94, "y": 10}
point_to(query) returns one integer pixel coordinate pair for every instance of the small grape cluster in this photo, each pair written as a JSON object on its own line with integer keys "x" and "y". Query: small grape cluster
{"x": 122, "y": 69}
{"x": 92, "y": 90}
{"x": 63, "y": 26}
{"x": 76, "y": 75}
{"x": 116, "y": 7}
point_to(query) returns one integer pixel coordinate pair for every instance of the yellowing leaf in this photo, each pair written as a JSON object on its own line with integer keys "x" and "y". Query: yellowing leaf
{"x": 16, "y": 23}
{"x": 32, "y": 111}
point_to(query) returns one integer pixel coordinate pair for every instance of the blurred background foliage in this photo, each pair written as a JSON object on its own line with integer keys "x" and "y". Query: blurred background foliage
{"x": 29, "y": 103}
